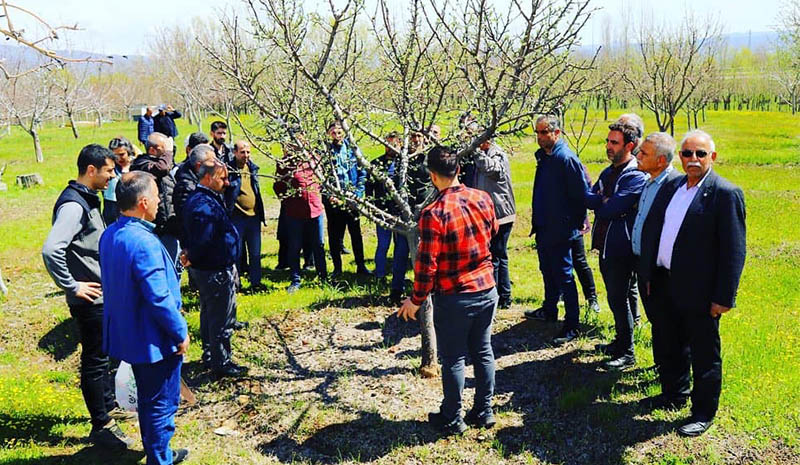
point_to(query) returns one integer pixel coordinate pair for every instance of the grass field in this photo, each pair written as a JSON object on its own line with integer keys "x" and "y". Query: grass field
{"x": 334, "y": 379}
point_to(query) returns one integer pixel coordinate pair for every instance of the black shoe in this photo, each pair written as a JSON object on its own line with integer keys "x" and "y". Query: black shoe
{"x": 346, "y": 251}
{"x": 336, "y": 274}
{"x": 282, "y": 267}
{"x": 230, "y": 370}
{"x": 363, "y": 271}
{"x": 620, "y": 363}
{"x": 540, "y": 314}
{"x": 240, "y": 325}
{"x": 309, "y": 267}
{"x": 694, "y": 427}
{"x": 662, "y": 402}
{"x": 606, "y": 349}
{"x": 504, "y": 304}
{"x": 566, "y": 335}
{"x": 448, "y": 428}
{"x": 593, "y": 305}
{"x": 179, "y": 455}
{"x": 110, "y": 436}
{"x": 483, "y": 420}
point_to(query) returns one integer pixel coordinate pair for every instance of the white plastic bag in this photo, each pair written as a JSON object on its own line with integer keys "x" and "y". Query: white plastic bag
{"x": 125, "y": 385}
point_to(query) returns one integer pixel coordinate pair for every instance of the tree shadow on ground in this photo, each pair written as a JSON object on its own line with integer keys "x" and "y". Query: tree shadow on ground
{"x": 367, "y": 438}
{"x": 61, "y": 341}
{"x": 38, "y": 428}
{"x": 568, "y": 414}
{"x": 86, "y": 456}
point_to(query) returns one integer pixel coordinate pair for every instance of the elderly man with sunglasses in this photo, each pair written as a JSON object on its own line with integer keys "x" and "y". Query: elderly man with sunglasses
{"x": 691, "y": 267}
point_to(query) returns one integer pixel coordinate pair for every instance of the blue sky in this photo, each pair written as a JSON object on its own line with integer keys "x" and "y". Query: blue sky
{"x": 122, "y": 27}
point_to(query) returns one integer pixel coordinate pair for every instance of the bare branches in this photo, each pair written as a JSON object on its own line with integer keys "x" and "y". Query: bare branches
{"x": 37, "y": 43}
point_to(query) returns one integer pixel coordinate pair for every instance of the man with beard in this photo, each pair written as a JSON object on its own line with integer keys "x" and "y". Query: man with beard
{"x": 72, "y": 257}
{"x": 614, "y": 199}
{"x": 219, "y": 132}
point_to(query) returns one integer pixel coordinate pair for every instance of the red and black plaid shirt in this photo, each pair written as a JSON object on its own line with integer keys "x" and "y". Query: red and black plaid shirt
{"x": 455, "y": 231}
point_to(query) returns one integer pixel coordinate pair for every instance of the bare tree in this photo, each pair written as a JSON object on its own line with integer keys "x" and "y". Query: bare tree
{"x": 27, "y": 98}
{"x": 40, "y": 43}
{"x": 673, "y": 62}
{"x": 71, "y": 93}
{"x": 381, "y": 70}
{"x": 787, "y": 72}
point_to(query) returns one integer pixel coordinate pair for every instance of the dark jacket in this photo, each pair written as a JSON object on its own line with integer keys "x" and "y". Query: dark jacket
{"x": 235, "y": 188}
{"x": 145, "y": 127}
{"x": 493, "y": 175}
{"x": 420, "y": 188}
{"x": 376, "y": 190}
{"x": 558, "y": 190}
{"x": 224, "y": 153}
{"x": 165, "y": 124}
{"x": 185, "y": 184}
{"x": 76, "y": 257}
{"x": 653, "y": 222}
{"x": 166, "y": 222}
{"x": 211, "y": 240}
{"x": 619, "y": 209}
{"x": 710, "y": 248}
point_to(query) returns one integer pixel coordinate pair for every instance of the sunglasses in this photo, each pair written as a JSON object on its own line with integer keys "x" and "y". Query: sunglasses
{"x": 689, "y": 153}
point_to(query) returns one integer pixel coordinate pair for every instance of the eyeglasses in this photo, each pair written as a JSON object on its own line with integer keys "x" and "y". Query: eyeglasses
{"x": 689, "y": 153}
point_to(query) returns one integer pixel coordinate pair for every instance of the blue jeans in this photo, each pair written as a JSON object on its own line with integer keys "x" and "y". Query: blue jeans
{"x": 249, "y": 228}
{"x": 555, "y": 263}
{"x": 400, "y": 261}
{"x": 463, "y": 324}
{"x": 308, "y": 230}
{"x": 384, "y": 241}
{"x": 158, "y": 393}
{"x": 499, "y": 248}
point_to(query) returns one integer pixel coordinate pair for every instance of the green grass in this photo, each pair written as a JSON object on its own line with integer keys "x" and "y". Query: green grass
{"x": 42, "y": 412}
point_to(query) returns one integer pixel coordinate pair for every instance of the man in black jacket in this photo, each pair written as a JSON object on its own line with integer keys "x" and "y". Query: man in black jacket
{"x": 158, "y": 161}
{"x": 691, "y": 270}
{"x": 164, "y": 121}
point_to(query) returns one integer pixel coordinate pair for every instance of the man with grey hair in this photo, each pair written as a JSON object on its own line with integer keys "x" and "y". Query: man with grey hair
{"x": 691, "y": 266}
{"x": 558, "y": 212}
{"x": 186, "y": 175}
{"x": 211, "y": 250}
{"x": 655, "y": 159}
{"x": 158, "y": 161}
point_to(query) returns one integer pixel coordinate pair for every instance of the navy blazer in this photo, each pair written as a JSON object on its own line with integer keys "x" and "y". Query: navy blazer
{"x": 709, "y": 251}
{"x": 558, "y": 190}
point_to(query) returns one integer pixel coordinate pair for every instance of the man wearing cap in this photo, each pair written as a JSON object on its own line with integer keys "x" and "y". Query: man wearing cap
{"x": 164, "y": 121}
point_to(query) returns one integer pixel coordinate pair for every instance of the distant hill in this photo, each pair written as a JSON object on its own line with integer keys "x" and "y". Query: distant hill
{"x": 755, "y": 40}
{"x": 28, "y": 57}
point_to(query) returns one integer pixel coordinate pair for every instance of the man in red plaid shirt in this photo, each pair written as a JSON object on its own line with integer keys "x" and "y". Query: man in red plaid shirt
{"x": 455, "y": 264}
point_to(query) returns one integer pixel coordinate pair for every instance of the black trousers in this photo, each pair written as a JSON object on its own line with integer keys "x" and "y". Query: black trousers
{"x": 338, "y": 220}
{"x": 217, "y": 290}
{"x": 617, "y": 275}
{"x": 582, "y": 269}
{"x": 97, "y": 383}
{"x": 685, "y": 339}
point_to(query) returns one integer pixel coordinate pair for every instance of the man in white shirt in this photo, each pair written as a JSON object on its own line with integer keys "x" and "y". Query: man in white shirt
{"x": 691, "y": 268}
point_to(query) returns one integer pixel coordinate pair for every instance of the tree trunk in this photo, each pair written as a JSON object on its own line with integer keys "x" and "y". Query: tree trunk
{"x": 37, "y": 146}
{"x": 99, "y": 119}
{"x": 73, "y": 125}
{"x": 429, "y": 368}
{"x": 3, "y": 288}
{"x": 695, "y": 119}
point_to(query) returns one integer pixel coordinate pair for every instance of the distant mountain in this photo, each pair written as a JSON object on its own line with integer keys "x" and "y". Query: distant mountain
{"x": 12, "y": 53}
{"x": 754, "y": 40}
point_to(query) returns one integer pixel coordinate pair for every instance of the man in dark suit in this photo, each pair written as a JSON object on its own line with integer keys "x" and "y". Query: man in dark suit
{"x": 655, "y": 158}
{"x": 691, "y": 266}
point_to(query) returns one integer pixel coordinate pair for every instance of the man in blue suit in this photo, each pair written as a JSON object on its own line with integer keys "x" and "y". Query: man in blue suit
{"x": 691, "y": 266}
{"x": 558, "y": 212}
{"x": 142, "y": 322}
